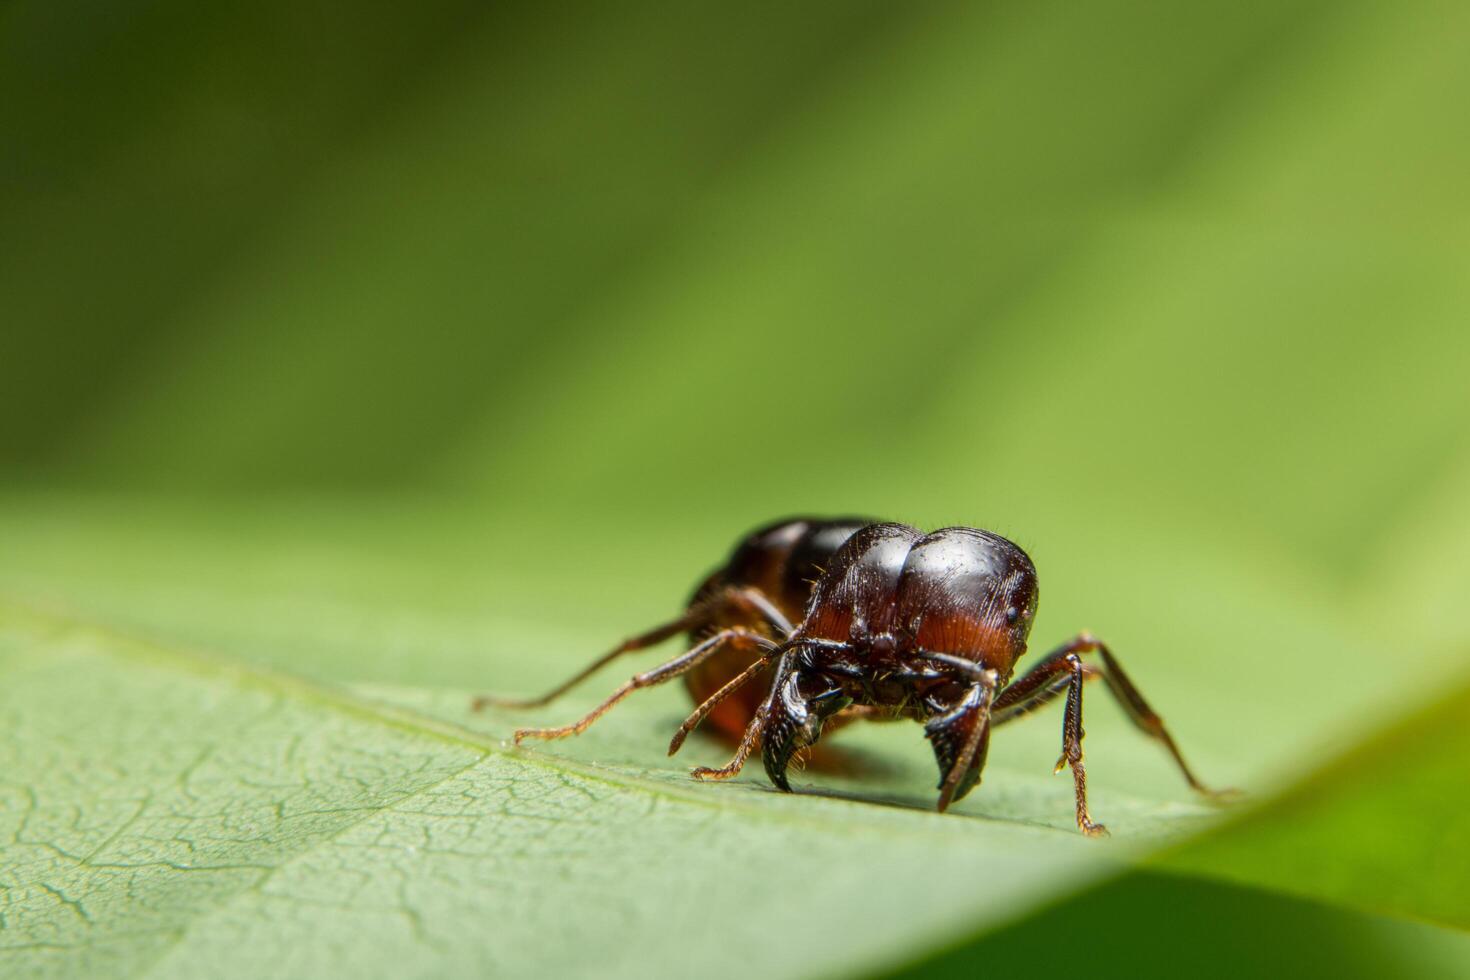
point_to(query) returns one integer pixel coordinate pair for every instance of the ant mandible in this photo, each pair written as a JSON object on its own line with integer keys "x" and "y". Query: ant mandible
{"x": 890, "y": 623}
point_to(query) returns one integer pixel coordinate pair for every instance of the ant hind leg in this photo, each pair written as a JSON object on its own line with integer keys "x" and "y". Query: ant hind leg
{"x": 748, "y": 600}
{"x": 664, "y": 672}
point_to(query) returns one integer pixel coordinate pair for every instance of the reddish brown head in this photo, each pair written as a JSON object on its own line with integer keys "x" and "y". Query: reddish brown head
{"x": 959, "y": 590}
{"x": 970, "y": 593}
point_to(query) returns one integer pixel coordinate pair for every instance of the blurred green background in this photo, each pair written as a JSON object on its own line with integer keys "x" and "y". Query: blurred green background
{"x": 322, "y": 322}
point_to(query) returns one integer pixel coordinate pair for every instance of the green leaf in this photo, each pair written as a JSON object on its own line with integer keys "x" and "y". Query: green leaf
{"x": 1377, "y": 830}
{"x": 1152, "y": 926}
{"x": 523, "y": 317}
{"x": 171, "y": 811}
{"x": 1382, "y": 827}
{"x": 170, "y": 815}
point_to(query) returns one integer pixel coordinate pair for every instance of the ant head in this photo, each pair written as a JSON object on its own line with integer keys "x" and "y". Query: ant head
{"x": 1015, "y": 600}
{"x": 970, "y": 592}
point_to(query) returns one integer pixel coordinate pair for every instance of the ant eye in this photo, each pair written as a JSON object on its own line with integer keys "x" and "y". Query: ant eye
{"x": 1013, "y": 614}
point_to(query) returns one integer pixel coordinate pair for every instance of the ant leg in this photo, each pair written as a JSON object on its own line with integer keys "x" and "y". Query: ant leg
{"x": 786, "y": 721}
{"x": 1037, "y": 688}
{"x": 667, "y": 671}
{"x": 696, "y": 616}
{"x": 700, "y": 713}
{"x": 639, "y": 642}
{"x": 1061, "y": 671}
{"x": 742, "y": 752}
{"x": 1071, "y": 756}
{"x": 752, "y": 731}
{"x": 961, "y": 738}
{"x": 785, "y": 676}
{"x": 1048, "y": 679}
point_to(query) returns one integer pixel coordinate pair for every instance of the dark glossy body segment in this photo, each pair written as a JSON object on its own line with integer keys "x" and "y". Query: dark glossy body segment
{"x": 783, "y": 561}
{"x": 894, "y": 591}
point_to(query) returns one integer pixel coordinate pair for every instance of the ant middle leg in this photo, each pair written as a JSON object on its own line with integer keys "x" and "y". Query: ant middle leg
{"x": 668, "y": 671}
{"x": 748, "y": 601}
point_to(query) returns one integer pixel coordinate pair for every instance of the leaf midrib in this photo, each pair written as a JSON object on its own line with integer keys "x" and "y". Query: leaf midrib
{"x": 148, "y": 648}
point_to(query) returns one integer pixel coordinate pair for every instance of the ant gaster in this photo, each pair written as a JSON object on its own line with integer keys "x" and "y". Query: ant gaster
{"x": 890, "y": 622}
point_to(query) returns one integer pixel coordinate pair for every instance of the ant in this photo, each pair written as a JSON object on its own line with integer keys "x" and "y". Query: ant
{"x": 889, "y": 622}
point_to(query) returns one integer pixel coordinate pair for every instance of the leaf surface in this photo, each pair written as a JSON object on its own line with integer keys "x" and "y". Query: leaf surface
{"x": 167, "y": 815}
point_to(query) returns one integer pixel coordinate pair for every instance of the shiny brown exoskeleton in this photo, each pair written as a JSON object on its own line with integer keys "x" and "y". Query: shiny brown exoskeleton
{"x": 890, "y": 622}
